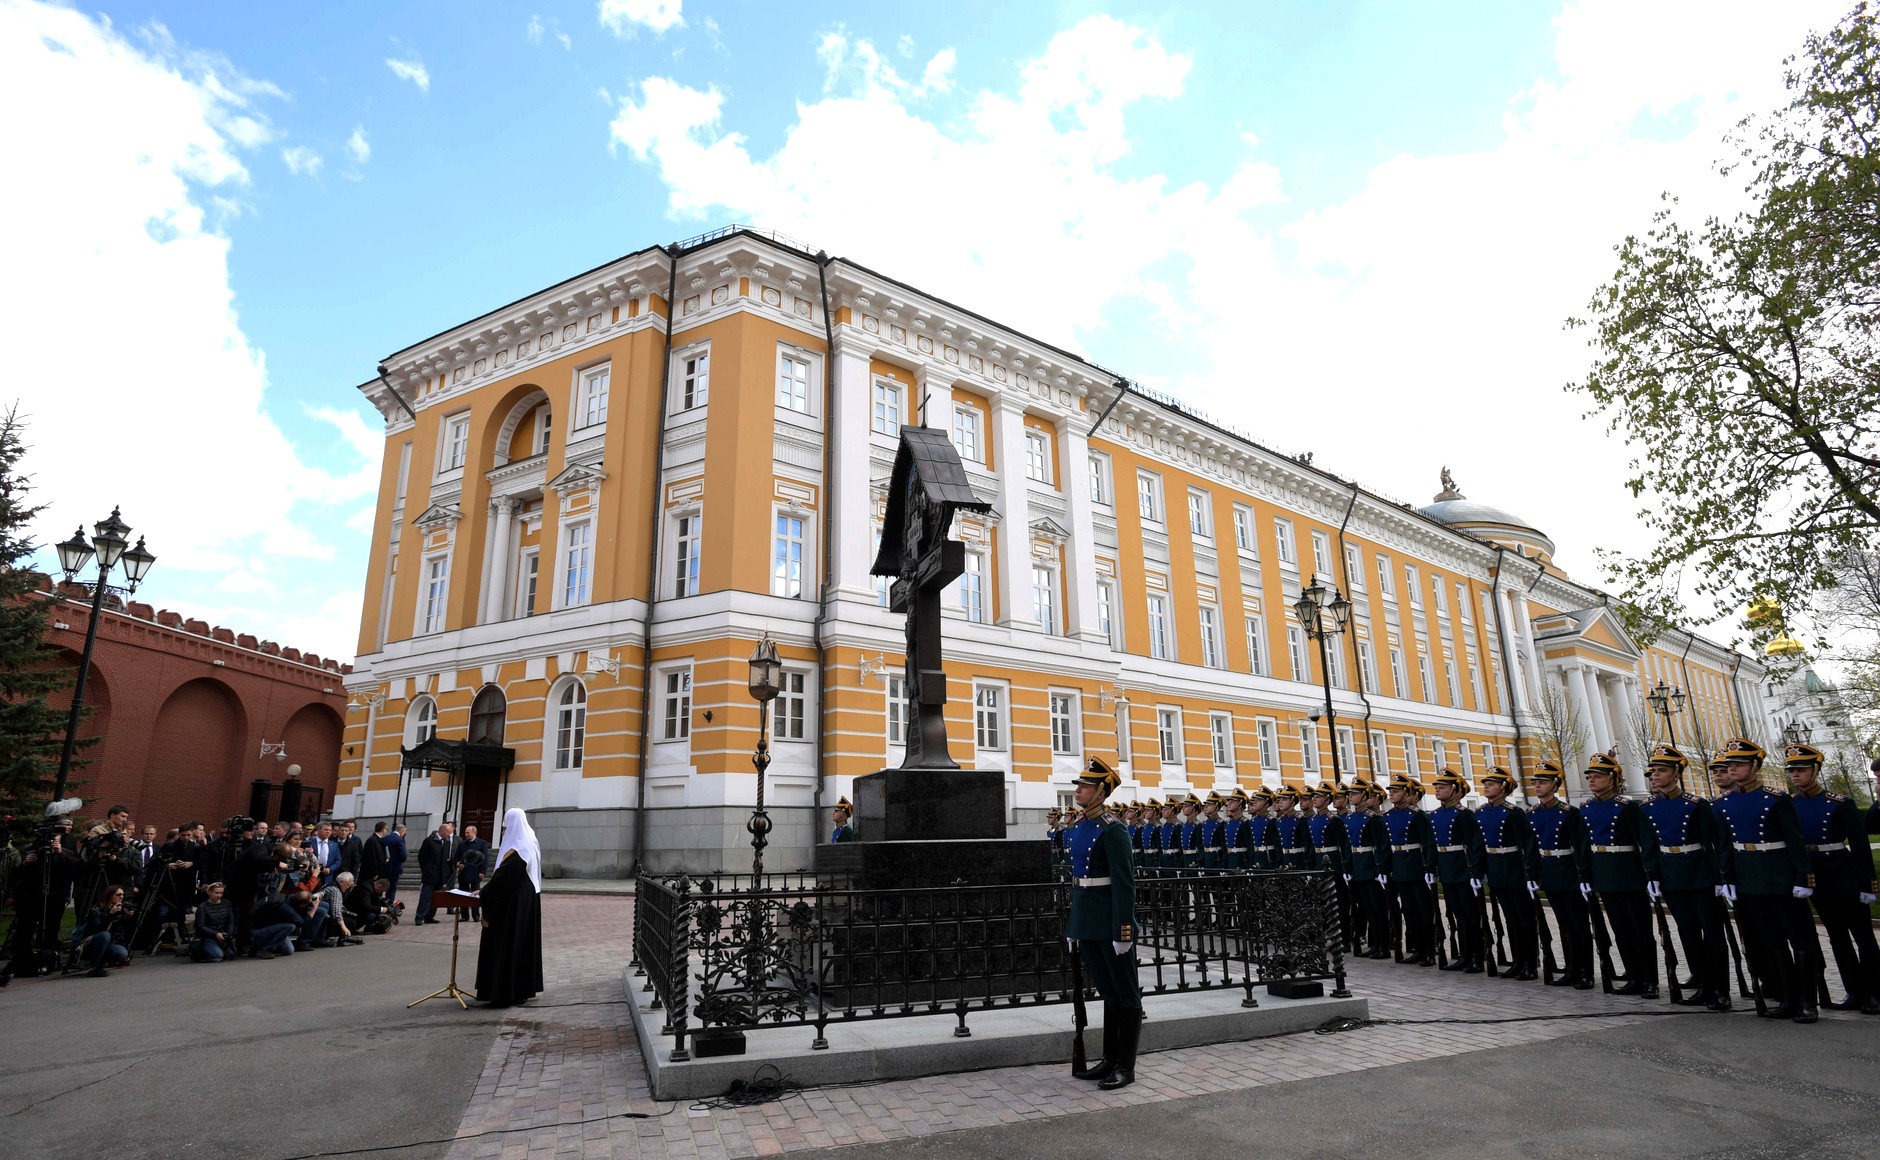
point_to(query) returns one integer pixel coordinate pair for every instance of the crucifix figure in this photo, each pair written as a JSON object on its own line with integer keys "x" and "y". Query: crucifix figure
{"x": 929, "y": 484}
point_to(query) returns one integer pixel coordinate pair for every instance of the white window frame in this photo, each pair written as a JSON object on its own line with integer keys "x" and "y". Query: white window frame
{"x": 420, "y": 721}
{"x": 1412, "y": 583}
{"x": 1106, "y": 611}
{"x": 989, "y": 731}
{"x": 544, "y": 429}
{"x": 434, "y": 607}
{"x": 1161, "y": 639}
{"x": 675, "y": 704}
{"x": 795, "y": 372}
{"x": 1309, "y": 746}
{"x": 1245, "y": 541}
{"x": 1168, "y": 736}
{"x": 687, "y": 546}
{"x": 592, "y": 388}
{"x": 453, "y": 445}
{"x": 1380, "y": 754}
{"x": 789, "y": 530}
{"x": 574, "y": 586}
{"x": 568, "y": 704}
{"x": 1288, "y": 546}
{"x": 1258, "y": 662}
{"x": 1038, "y": 456}
{"x": 1322, "y": 555}
{"x": 1426, "y": 673}
{"x": 1455, "y": 682}
{"x": 887, "y": 400}
{"x": 1102, "y": 493}
{"x": 1467, "y": 758}
{"x": 972, "y": 586}
{"x": 1399, "y": 676}
{"x": 969, "y": 436}
{"x": 1439, "y": 753}
{"x": 1063, "y": 715}
{"x": 1267, "y": 730}
{"x": 1201, "y": 515}
{"x": 791, "y": 720}
{"x": 1437, "y": 595}
{"x": 1296, "y": 653}
{"x": 528, "y": 580}
{"x": 1212, "y": 654}
{"x": 1149, "y": 496}
{"x": 1347, "y": 750}
{"x": 1367, "y": 666}
{"x": 1354, "y": 567}
{"x": 1221, "y": 740}
{"x": 1335, "y": 662}
{"x": 898, "y": 710}
{"x": 1412, "y": 764}
{"x": 1044, "y": 598}
{"x": 692, "y": 374}
{"x": 1386, "y": 577}
{"x": 1488, "y": 756}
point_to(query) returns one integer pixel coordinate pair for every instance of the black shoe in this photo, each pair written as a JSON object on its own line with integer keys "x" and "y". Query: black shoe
{"x": 97, "y": 972}
{"x": 1584, "y": 983}
{"x": 1128, "y": 1038}
{"x": 1563, "y": 981}
{"x": 1805, "y": 1012}
{"x": 1102, "y": 1067}
{"x": 1718, "y": 1003}
{"x": 1780, "y": 1011}
{"x": 1870, "y": 1006}
{"x": 1456, "y": 965}
{"x": 1848, "y": 1004}
{"x": 1377, "y": 953}
{"x": 1527, "y": 974}
{"x": 1691, "y": 984}
{"x": 1650, "y": 991}
{"x": 1631, "y": 989}
{"x": 1474, "y": 967}
{"x": 1694, "y": 999}
{"x": 1427, "y": 961}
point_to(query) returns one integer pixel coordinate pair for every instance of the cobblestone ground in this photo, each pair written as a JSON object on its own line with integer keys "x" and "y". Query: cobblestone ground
{"x": 564, "y": 1075}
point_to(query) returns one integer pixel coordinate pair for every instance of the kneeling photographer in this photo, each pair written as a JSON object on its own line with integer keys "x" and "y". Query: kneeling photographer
{"x": 367, "y": 908}
{"x": 103, "y": 937}
{"x": 277, "y": 918}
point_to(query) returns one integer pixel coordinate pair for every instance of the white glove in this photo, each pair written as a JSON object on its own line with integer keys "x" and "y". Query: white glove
{"x": 1727, "y": 893}
{"x": 1070, "y": 944}
{"x": 1534, "y": 890}
{"x": 1586, "y": 890}
{"x": 1382, "y": 881}
{"x": 1802, "y": 892}
{"x": 1429, "y": 880}
{"x": 1651, "y": 888}
{"x": 1347, "y": 878}
{"x": 1475, "y": 884}
{"x": 1866, "y": 899}
{"x": 1122, "y": 948}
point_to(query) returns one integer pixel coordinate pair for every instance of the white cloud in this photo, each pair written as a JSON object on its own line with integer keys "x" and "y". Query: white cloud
{"x": 141, "y": 388}
{"x": 538, "y": 29}
{"x": 412, "y": 70}
{"x": 357, "y": 147}
{"x": 1413, "y": 324}
{"x": 302, "y": 161}
{"x": 622, "y": 16}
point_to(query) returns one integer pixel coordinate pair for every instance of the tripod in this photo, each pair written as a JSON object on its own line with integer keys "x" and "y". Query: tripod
{"x": 153, "y": 896}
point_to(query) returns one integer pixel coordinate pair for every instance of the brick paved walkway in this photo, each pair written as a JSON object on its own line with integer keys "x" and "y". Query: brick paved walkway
{"x": 564, "y": 1074}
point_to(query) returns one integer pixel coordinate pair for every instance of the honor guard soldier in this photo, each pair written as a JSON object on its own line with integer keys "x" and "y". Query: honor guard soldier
{"x": 1842, "y": 862}
{"x": 1234, "y": 830}
{"x": 1413, "y": 868}
{"x": 1213, "y": 834}
{"x": 1767, "y": 869}
{"x": 1368, "y": 843}
{"x": 1331, "y": 851}
{"x": 1148, "y": 836}
{"x": 1168, "y": 836}
{"x": 1461, "y": 866}
{"x": 1054, "y": 835}
{"x": 1132, "y": 821}
{"x": 1566, "y": 874}
{"x": 1690, "y": 861}
{"x": 1102, "y": 924}
{"x": 1295, "y": 848}
{"x": 1262, "y": 833}
{"x": 1514, "y": 871}
{"x": 1188, "y": 834}
{"x": 1625, "y": 871}
{"x": 843, "y": 832}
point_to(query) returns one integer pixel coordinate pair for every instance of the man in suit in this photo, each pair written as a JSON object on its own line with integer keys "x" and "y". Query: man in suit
{"x": 437, "y": 865}
{"x": 325, "y": 850}
{"x": 350, "y": 848}
{"x": 395, "y": 856}
{"x": 473, "y": 858}
{"x": 373, "y": 856}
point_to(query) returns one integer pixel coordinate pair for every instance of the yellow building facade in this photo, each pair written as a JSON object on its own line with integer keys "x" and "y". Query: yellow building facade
{"x": 598, "y": 499}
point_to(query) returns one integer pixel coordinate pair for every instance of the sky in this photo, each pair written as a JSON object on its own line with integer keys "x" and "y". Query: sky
{"x": 1350, "y": 228}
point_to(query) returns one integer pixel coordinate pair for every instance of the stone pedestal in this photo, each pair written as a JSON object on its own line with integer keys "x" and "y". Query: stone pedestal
{"x": 890, "y": 865}
{"x": 931, "y": 827}
{"x": 898, "y": 805}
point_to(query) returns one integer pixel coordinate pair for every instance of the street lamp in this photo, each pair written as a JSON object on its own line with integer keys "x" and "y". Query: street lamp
{"x": 1323, "y": 612}
{"x": 766, "y": 683}
{"x": 1796, "y": 733}
{"x": 1666, "y": 700}
{"x": 108, "y": 544}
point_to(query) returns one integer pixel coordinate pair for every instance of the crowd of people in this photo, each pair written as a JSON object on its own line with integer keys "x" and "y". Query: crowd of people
{"x": 250, "y": 890}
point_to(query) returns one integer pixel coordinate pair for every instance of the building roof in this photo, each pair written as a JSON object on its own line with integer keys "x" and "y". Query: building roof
{"x": 1461, "y": 511}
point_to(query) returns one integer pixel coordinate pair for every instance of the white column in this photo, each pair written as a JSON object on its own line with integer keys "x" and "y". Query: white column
{"x": 1575, "y": 680}
{"x": 1602, "y": 728}
{"x": 851, "y": 520}
{"x": 1618, "y": 703}
{"x": 1014, "y": 579}
{"x": 1080, "y": 557}
{"x": 1509, "y": 631}
{"x": 495, "y": 596}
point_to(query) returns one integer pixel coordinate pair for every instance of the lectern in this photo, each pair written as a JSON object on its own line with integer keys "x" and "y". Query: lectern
{"x": 455, "y": 901}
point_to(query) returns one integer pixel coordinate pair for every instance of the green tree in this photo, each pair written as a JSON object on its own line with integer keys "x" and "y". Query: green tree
{"x": 31, "y": 730}
{"x": 1737, "y": 357}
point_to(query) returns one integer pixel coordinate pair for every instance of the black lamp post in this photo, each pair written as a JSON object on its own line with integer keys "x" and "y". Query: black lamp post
{"x": 1796, "y": 733}
{"x": 1666, "y": 700}
{"x": 1323, "y": 612}
{"x": 766, "y": 683}
{"x": 108, "y": 542}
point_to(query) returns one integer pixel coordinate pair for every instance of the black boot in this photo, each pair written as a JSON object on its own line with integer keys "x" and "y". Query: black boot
{"x": 1851, "y": 1003}
{"x": 1870, "y": 1006}
{"x": 1693, "y": 999}
{"x": 1718, "y": 1002}
{"x": 1524, "y": 974}
{"x": 1805, "y": 1010}
{"x": 1473, "y": 967}
{"x": 1128, "y": 1037}
{"x": 1101, "y": 1068}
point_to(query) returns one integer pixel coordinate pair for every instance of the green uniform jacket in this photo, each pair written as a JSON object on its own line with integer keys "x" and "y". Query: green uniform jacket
{"x": 1105, "y": 913}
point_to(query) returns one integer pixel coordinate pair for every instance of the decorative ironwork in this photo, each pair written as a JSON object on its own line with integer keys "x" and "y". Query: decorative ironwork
{"x": 738, "y": 952}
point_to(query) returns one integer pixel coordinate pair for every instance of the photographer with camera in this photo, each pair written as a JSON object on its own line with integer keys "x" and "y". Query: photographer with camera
{"x": 104, "y": 934}
{"x": 367, "y": 909}
{"x": 473, "y": 856}
{"x": 214, "y": 938}
{"x": 168, "y": 891}
{"x": 40, "y": 886}
{"x": 277, "y": 918}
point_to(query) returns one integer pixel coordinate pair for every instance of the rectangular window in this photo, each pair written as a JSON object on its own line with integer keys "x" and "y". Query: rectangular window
{"x": 570, "y": 727}
{"x": 1044, "y": 599}
{"x": 1037, "y": 455}
{"x": 1354, "y": 567}
{"x": 1367, "y": 666}
{"x": 1221, "y": 735}
{"x": 793, "y": 382}
{"x": 884, "y": 585}
{"x": 436, "y": 592}
{"x": 1488, "y": 756}
{"x": 456, "y": 442}
{"x": 1257, "y": 663}
{"x": 1347, "y": 751}
{"x": 885, "y": 418}
{"x": 1321, "y": 555}
{"x": 1159, "y": 644}
{"x": 593, "y": 407}
{"x": 897, "y": 711}
{"x": 1439, "y": 749}
{"x": 1437, "y": 595}
{"x": 966, "y": 434}
{"x": 1462, "y": 604}
{"x": 1410, "y": 585}
{"x": 544, "y": 428}
{"x": 1288, "y": 551}
{"x": 1428, "y": 676}
{"x": 1335, "y": 664}
{"x": 1168, "y": 735}
{"x": 1106, "y": 611}
{"x": 973, "y": 588}
{"x": 786, "y": 558}
{"x": 1269, "y": 743}
{"x": 695, "y": 374}
{"x": 1296, "y": 653}
{"x": 1063, "y": 732}
{"x": 685, "y": 557}
{"x": 1211, "y": 639}
{"x": 1410, "y": 764}
{"x": 1475, "y": 684}
{"x": 791, "y": 719}
{"x": 1309, "y": 746}
{"x": 1455, "y": 682}
{"x": 526, "y": 582}
{"x": 577, "y": 561}
{"x": 1380, "y": 755}
{"x": 1200, "y": 515}
{"x": 988, "y": 717}
{"x": 1467, "y": 759}
{"x": 676, "y": 706}
{"x": 1386, "y": 579}
{"x": 1100, "y": 479}
{"x": 1399, "y": 684}
{"x": 1243, "y": 529}
{"x": 1149, "y": 496}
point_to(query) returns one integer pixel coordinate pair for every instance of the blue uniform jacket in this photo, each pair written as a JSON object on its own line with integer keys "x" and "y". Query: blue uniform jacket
{"x": 1690, "y": 843}
{"x": 1106, "y": 911}
{"x": 1767, "y": 853}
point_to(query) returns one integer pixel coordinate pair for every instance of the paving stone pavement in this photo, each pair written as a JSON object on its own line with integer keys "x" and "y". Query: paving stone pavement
{"x": 564, "y": 1076}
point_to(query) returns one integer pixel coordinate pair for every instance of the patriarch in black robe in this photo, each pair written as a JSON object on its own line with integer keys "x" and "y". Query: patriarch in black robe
{"x": 509, "y": 957}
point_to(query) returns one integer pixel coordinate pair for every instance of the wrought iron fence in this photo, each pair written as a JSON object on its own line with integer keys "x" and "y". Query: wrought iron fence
{"x": 727, "y": 952}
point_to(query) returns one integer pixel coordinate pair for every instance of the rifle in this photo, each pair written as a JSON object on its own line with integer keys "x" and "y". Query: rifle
{"x": 1736, "y": 953}
{"x": 1549, "y": 966}
{"x": 1438, "y": 928}
{"x": 1603, "y": 938}
{"x": 1394, "y": 906}
{"x": 1501, "y": 956}
{"x": 1671, "y": 956}
{"x": 1487, "y": 901}
{"x": 1079, "y": 1017}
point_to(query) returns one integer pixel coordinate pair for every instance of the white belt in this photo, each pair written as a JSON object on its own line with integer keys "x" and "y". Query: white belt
{"x": 1759, "y": 847}
{"x": 1103, "y": 881}
{"x": 1615, "y": 849}
{"x": 1406, "y": 849}
{"x": 1212, "y": 849}
{"x": 1827, "y": 847}
{"x": 1556, "y": 853}
{"x": 1452, "y": 849}
{"x": 1293, "y": 850}
{"x": 1504, "y": 849}
{"x": 1692, "y": 848}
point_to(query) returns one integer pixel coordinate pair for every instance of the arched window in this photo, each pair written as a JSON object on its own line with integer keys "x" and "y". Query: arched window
{"x": 486, "y": 717}
{"x": 570, "y": 725}
{"x": 420, "y": 722}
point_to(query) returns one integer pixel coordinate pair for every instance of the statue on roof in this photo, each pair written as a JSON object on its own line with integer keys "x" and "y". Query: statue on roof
{"x": 1449, "y": 488}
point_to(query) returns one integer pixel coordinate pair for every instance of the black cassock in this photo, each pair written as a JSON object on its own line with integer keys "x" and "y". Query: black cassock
{"x": 509, "y": 959}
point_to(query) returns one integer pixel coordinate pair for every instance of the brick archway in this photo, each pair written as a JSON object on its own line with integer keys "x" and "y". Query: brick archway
{"x": 312, "y": 735}
{"x": 196, "y": 749}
